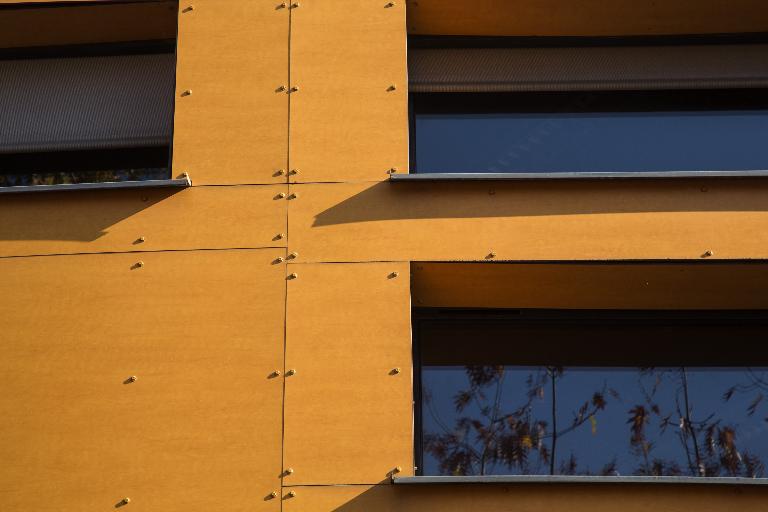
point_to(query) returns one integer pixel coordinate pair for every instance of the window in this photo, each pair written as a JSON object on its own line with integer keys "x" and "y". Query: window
{"x": 621, "y": 393}
{"x": 92, "y": 99}
{"x": 551, "y": 107}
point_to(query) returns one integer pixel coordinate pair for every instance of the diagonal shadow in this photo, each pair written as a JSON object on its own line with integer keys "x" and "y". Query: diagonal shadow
{"x": 72, "y": 215}
{"x": 433, "y": 200}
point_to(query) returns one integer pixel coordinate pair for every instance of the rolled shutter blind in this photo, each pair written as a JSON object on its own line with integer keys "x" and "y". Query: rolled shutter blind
{"x": 588, "y": 68}
{"x": 86, "y": 103}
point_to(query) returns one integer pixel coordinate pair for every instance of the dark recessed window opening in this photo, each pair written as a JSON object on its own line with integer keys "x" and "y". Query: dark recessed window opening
{"x": 614, "y": 108}
{"x": 90, "y": 112}
{"x": 621, "y": 393}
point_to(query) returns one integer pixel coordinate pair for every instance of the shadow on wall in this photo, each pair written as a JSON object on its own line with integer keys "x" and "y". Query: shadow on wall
{"x": 422, "y": 200}
{"x": 72, "y": 215}
{"x": 558, "y": 498}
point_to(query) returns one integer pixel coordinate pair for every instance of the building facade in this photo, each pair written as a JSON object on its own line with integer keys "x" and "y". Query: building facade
{"x": 240, "y": 336}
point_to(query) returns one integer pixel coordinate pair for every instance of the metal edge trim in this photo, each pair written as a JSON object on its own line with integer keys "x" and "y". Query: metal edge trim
{"x": 110, "y": 185}
{"x": 534, "y": 176}
{"x": 575, "y": 479}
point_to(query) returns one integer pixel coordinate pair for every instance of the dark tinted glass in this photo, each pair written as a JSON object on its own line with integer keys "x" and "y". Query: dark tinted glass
{"x": 591, "y": 132}
{"x": 598, "y": 409}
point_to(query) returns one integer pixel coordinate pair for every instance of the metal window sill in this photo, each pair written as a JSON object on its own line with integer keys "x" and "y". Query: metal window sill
{"x": 534, "y": 176}
{"x": 110, "y": 185}
{"x": 569, "y": 479}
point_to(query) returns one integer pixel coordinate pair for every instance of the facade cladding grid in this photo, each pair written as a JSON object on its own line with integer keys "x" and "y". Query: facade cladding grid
{"x": 245, "y": 342}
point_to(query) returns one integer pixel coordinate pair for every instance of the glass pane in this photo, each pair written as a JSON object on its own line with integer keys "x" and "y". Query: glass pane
{"x": 630, "y": 133}
{"x": 594, "y": 421}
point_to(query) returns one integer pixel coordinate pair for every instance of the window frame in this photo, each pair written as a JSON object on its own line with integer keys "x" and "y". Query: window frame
{"x": 432, "y": 314}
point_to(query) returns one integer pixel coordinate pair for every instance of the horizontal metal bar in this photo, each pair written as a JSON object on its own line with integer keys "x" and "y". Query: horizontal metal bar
{"x": 179, "y": 182}
{"x": 575, "y": 479}
{"x": 532, "y": 176}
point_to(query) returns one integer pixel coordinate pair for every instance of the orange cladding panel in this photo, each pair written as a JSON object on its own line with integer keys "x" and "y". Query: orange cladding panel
{"x": 200, "y": 427}
{"x": 348, "y": 414}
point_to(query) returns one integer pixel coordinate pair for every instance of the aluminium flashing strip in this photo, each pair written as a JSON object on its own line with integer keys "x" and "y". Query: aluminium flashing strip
{"x": 534, "y": 176}
{"x": 575, "y": 479}
{"x": 109, "y": 185}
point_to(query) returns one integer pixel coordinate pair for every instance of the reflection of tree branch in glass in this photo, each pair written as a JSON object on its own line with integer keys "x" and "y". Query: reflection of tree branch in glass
{"x": 486, "y": 419}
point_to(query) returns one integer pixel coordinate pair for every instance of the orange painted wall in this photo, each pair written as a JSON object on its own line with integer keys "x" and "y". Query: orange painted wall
{"x": 292, "y": 252}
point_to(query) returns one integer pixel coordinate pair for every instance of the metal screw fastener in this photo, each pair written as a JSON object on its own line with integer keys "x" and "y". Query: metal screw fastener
{"x": 279, "y": 172}
{"x": 294, "y": 275}
{"x": 392, "y": 87}
{"x": 392, "y": 170}
{"x": 293, "y": 256}
{"x": 295, "y": 88}
{"x": 282, "y": 5}
{"x": 187, "y": 92}
{"x": 706, "y": 254}
{"x": 294, "y": 195}
{"x": 289, "y": 373}
{"x": 491, "y": 255}
{"x": 293, "y": 172}
{"x": 291, "y": 494}
{"x": 140, "y": 240}
{"x": 281, "y": 195}
{"x": 279, "y": 259}
{"x": 273, "y": 495}
{"x": 132, "y": 378}
{"x": 126, "y": 501}
{"x": 390, "y": 4}
{"x": 395, "y": 371}
{"x": 397, "y": 469}
{"x": 188, "y": 8}
{"x": 281, "y": 88}
{"x": 279, "y": 236}
{"x": 139, "y": 263}
{"x": 393, "y": 275}
{"x": 294, "y": 5}
{"x": 288, "y": 471}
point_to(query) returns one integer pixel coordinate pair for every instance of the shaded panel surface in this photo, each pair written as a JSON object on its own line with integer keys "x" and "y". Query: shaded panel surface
{"x": 585, "y": 18}
{"x": 590, "y": 286}
{"x": 116, "y": 220}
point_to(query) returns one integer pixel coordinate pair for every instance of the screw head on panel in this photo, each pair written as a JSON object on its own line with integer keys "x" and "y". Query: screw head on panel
{"x": 289, "y": 373}
{"x": 707, "y": 254}
{"x": 273, "y": 495}
{"x": 491, "y": 255}
{"x": 291, "y": 494}
{"x": 389, "y": 5}
{"x": 293, "y": 275}
{"x": 393, "y": 275}
{"x": 293, "y": 255}
{"x": 125, "y": 501}
{"x": 279, "y": 259}
{"x": 281, "y": 195}
{"x": 279, "y": 172}
{"x": 187, "y": 92}
{"x": 188, "y": 8}
{"x": 392, "y": 87}
{"x": 395, "y": 371}
{"x": 293, "y": 195}
{"x": 392, "y": 170}
{"x": 295, "y": 88}
{"x": 281, "y": 88}
{"x": 279, "y": 236}
{"x": 293, "y": 172}
{"x": 294, "y": 5}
